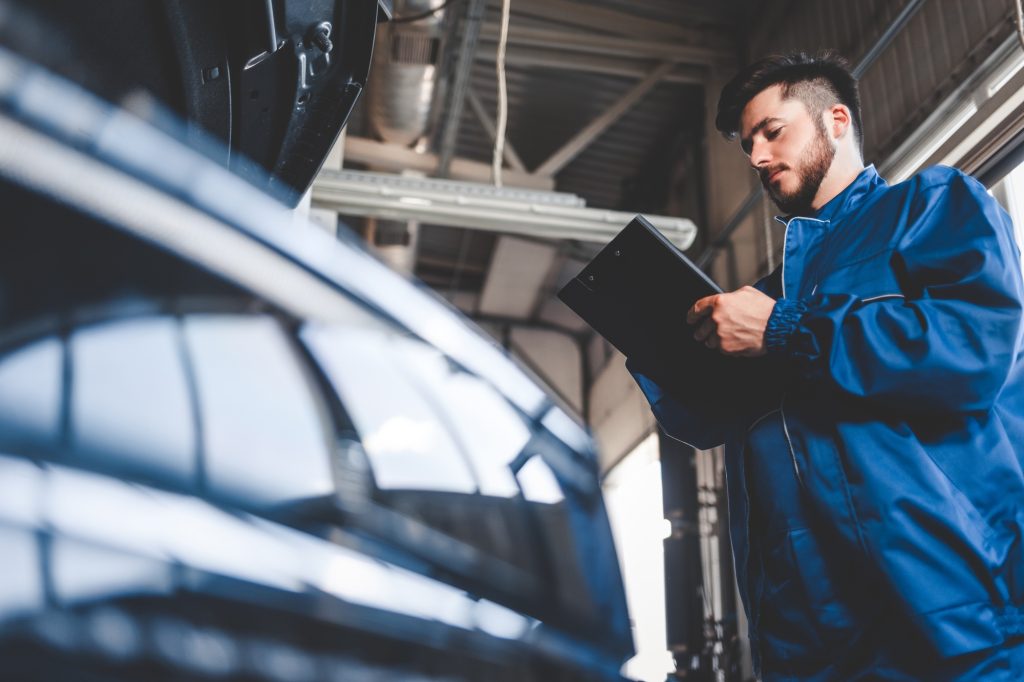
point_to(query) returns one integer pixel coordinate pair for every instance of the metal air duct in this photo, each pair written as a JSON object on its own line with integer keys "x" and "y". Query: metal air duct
{"x": 406, "y": 70}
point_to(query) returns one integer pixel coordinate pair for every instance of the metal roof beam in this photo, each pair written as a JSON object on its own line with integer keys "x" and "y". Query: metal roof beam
{"x": 579, "y": 142}
{"x": 613, "y": 21}
{"x": 592, "y": 63}
{"x": 509, "y": 153}
{"x": 460, "y": 84}
{"x": 396, "y": 158}
{"x": 609, "y": 45}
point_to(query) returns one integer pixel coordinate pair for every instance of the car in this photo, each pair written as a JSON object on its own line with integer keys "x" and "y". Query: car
{"x": 233, "y": 446}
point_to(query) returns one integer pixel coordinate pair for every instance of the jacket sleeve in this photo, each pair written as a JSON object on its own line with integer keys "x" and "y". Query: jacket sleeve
{"x": 701, "y": 424}
{"x": 948, "y": 342}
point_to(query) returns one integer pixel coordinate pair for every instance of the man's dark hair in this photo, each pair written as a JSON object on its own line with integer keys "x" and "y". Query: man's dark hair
{"x": 819, "y": 81}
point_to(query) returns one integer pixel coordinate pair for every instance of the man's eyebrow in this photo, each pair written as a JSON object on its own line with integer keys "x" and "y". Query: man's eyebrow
{"x": 766, "y": 121}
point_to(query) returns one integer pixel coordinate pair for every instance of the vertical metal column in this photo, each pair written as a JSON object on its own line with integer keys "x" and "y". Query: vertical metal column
{"x": 723, "y": 656}
{"x": 700, "y": 585}
{"x": 684, "y": 611}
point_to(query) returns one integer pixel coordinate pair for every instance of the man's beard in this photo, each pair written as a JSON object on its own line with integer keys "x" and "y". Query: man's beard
{"x": 817, "y": 160}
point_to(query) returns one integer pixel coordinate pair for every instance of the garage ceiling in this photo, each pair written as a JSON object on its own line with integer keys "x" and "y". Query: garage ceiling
{"x": 605, "y": 101}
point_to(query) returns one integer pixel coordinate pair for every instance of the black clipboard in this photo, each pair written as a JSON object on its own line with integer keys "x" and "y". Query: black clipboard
{"x": 635, "y": 293}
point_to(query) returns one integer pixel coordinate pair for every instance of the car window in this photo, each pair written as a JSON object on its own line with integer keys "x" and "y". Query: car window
{"x": 265, "y": 440}
{"x": 22, "y": 588}
{"x": 130, "y": 408}
{"x": 489, "y": 431}
{"x": 538, "y": 481}
{"x": 461, "y": 460}
{"x": 407, "y": 445}
{"x": 31, "y": 390}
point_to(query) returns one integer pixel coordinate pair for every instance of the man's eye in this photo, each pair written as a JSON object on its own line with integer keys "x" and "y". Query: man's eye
{"x": 772, "y": 134}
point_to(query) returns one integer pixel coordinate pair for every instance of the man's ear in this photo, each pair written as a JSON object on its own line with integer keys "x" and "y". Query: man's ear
{"x": 838, "y": 120}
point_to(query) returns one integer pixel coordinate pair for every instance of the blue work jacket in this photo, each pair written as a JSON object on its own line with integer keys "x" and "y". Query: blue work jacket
{"x": 899, "y": 347}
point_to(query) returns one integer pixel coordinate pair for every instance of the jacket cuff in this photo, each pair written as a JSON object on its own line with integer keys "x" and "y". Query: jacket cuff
{"x": 783, "y": 322}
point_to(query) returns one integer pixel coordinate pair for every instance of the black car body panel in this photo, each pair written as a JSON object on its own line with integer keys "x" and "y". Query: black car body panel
{"x": 226, "y": 426}
{"x": 274, "y": 81}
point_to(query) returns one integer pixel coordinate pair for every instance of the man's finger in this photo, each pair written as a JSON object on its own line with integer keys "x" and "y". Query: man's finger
{"x": 704, "y": 330}
{"x": 713, "y": 342}
{"x": 701, "y": 308}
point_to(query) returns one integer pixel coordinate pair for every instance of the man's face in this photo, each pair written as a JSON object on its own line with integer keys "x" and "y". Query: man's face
{"x": 788, "y": 148}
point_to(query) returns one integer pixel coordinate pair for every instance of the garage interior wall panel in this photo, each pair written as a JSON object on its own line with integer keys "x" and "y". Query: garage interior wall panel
{"x": 730, "y": 181}
{"x": 598, "y": 352}
{"x": 559, "y": 314}
{"x": 556, "y": 357}
{"x": 518, "y": 269}
{"x": 466, "y": 301}
{"x": 730, "y": 178}
{"x": 619, "y": 415}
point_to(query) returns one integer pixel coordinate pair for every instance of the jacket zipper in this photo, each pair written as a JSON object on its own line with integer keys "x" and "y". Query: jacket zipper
{"x": 782, "y": 400}
{"x": 789, "y": 442}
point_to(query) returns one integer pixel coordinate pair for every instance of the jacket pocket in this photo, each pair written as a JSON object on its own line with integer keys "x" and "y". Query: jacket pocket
{"x": 805, "y": 611}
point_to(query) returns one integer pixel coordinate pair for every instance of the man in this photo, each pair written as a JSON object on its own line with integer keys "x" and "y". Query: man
{"x": 876, "y": 494}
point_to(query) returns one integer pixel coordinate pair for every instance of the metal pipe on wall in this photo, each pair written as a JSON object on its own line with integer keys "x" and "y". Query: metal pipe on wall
{"x": 684, "y": 580}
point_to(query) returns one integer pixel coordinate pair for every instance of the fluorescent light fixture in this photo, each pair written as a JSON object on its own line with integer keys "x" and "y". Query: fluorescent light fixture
{"x": 414, "y": 201}
{"x": 549, "y": 215}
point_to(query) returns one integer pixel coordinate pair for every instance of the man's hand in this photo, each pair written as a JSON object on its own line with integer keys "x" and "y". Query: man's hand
{"x": 733, "y": 323}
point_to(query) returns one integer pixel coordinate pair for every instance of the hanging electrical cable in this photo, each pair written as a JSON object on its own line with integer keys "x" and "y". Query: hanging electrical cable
{"x": 499, "y": 132}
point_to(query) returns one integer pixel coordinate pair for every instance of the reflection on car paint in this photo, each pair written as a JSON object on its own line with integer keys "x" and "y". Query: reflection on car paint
{"x": 538, "y": 482}
{"x": 142, "y": 541}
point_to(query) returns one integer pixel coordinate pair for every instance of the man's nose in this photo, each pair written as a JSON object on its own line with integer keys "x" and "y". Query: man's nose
{"x": 760, "y": 155}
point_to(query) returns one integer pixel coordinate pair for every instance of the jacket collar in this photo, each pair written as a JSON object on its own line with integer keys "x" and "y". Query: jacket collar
{"x": 865, "y": 183}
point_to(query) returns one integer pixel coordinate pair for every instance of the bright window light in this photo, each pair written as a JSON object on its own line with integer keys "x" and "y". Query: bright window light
{"x": 960, "y": 117}
{"x": 1004, "y": 75}
{"x": 633, "y": 494}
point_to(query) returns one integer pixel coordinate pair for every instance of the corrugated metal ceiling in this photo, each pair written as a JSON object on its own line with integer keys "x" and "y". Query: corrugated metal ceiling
{"x": 548, "y": 105}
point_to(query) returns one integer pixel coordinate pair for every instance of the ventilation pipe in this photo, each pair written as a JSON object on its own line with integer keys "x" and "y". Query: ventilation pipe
{"x": 406, "y": 70}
